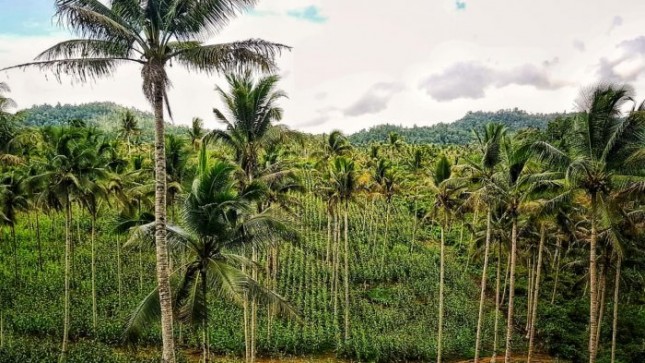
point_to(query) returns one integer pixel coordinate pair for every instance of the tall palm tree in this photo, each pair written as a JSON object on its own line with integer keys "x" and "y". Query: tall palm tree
{"x": 385, "y": 179}
{"x": 13, "y": 199}
{"x": 152, "y": 34}
{"x": 490, "y": 146}
{"x": 606, "y": 154}
{"x": 219, "y": 221}
{"x": 343, "y": 185}
{"x": 69, "y": 172}
{"x": 250, "y": 112}
{"x": 448, "y": 196}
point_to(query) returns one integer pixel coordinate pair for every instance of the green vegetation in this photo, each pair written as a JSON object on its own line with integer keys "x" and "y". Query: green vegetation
{"x": 279, "y": 251}
{"x": 457, "y": 132}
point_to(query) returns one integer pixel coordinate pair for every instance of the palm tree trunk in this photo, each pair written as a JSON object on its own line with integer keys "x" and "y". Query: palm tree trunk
{"x": 593, "y": 289}
{"x": 254, "y": 304}
{"x": 497, "y": 301}
{"x": 614, "y": 325}
{"x": 511, "y": 293}
{"x": 601, "y": 296}
{"x": 118, "y": 269}
{"x": 205, "y": 323}
{"x": 40, "y": 250}
{"x": 94, "y": 308}
{"x": 529, "y": 300}
{"x": 68, "y": 247}
{"x": 161, "y": 250}
{"x": 385, "y": 236}
{"x": 482, "y": 295}
{"x": 557, "y": 268}
{"x": 247, "y": 332}
{"x": 414, "y": 225}
{"x": 346, "y": 277}
{"x": 441, "y": 283}
{"x": 328, "y": 237}
{"x": 536, "y": 293}
{"x": 15, "y": 254}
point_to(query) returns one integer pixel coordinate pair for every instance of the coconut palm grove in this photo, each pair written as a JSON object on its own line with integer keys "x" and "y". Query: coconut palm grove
{"x": 125, "y": 236}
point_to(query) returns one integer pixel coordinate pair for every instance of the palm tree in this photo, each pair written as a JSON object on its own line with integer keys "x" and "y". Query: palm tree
{"x": 13, "y": 199}
{"x": 129, "y": 128}
{"x": 605, "y": 155}
{"x": 6, "y": 103}
{"x": 448, "y": 196}
{"x": 152, "y": 34}
{"x": 196, "y": 132}
{"x": 69, "y": 172}
{"x": 343, "y": 186}
{"x": 385, "y": 179}
{"x": 219, "y": 220}
{"x": 490, "y": 144}
{"x": 251, "y": 110}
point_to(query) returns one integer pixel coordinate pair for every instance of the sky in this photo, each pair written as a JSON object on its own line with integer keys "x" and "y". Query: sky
{"x": 359, "y": 63}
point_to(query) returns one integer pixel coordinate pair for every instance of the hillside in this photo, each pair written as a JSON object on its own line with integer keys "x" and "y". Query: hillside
{"x": 458, "y": 132}
{"x": 104, "y": 115}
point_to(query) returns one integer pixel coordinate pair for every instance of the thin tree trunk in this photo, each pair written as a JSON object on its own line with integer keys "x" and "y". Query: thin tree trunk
{"x": 511, "y": 293}
{"x": 497, "y": 301}
{"x": 506, "y": 273}
{"x": 94, "y": 308}
{"x": 68, "y": 247}
{"x": 385, "y": 236}
{"x": 163, "y": 270}
{"x": 482, "y": 295}
{"x": 205, "y": 323}
{"x": 593, "y": 289}
{"x": 346, "y": 277}
{"x": 40, "y": 250}
{"x": 15, "y": 254}
{"x": 602, "y": 297}
{"x": 536, "y": 294}
{"x": 327, "y": 256}
{"x": 557, "y": 268}
{"x": 441, "y": 283}
{"x": 614, "y": 325}
{"x": 118, "y": 269}
{"x": 254, "y": 304}
{"x": 529, "y": 300}
{"x": 414, "y": 224}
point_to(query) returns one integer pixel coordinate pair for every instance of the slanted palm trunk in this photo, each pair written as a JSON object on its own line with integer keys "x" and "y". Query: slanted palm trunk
{"x": 614, "y": 326}
{"x": 536, "y": 294}
{"x": 441, "y": 283}
{"x": 511, "y": 293}
{"x": 593, "y": 279}
{"x": 68, "y": 248}
{"x": 482, "y": 296}
{"x": 163, "y": 271}
{"x": 556, "y": 261}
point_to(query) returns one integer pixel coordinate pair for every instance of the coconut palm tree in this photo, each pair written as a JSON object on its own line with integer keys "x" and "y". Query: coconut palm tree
{"x": 6, "y": 103}
{"x": 219, "y": 221}
{"x": 448, "y": 197}
{"x": 489, "y": 142}
{"x": 70, "y": 171}
{"x": 152, "y": 34}
{"x": 196, "y": 132}
{"x": 343, "y": 180}
{"x": 129, "y": 128}
{"x": 250, "y": 113}
{"x": 13, "y": 199}
{"x": 605, "y": 155}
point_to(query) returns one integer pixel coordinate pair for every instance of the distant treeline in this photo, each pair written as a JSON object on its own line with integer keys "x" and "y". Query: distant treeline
{"x": 458, "y": 132}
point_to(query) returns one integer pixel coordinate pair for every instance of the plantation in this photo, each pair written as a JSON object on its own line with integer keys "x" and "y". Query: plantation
{"x": 505, "y": 236}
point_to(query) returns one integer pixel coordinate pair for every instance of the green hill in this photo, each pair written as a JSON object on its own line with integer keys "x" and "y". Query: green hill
{"x": 458, "y": 132}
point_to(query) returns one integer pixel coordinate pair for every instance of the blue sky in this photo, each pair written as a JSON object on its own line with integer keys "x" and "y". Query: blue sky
{"x": 26, "y": 17}
{"x": 357, "y": 63}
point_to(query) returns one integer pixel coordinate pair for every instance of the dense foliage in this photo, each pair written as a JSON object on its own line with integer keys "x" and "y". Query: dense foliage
{"x": 352, "y": 251}
{"x": 457, "y": 132}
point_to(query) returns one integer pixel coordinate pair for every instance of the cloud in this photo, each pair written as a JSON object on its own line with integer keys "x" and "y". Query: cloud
{"x": 310, "y": 13}
{"x": 634, "y": 46}
{"x": 628, "y": 66}
{"x": 461, "y": 5}
{"x": 579, "y": 45}
{"x": 616, "y": 22}
{"x": 471, "y": 79}
{"x": 374, "y": 100}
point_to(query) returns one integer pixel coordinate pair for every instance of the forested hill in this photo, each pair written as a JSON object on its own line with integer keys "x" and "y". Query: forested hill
{"x": 458, "y": 132}
{"x": 105, "y": 115}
